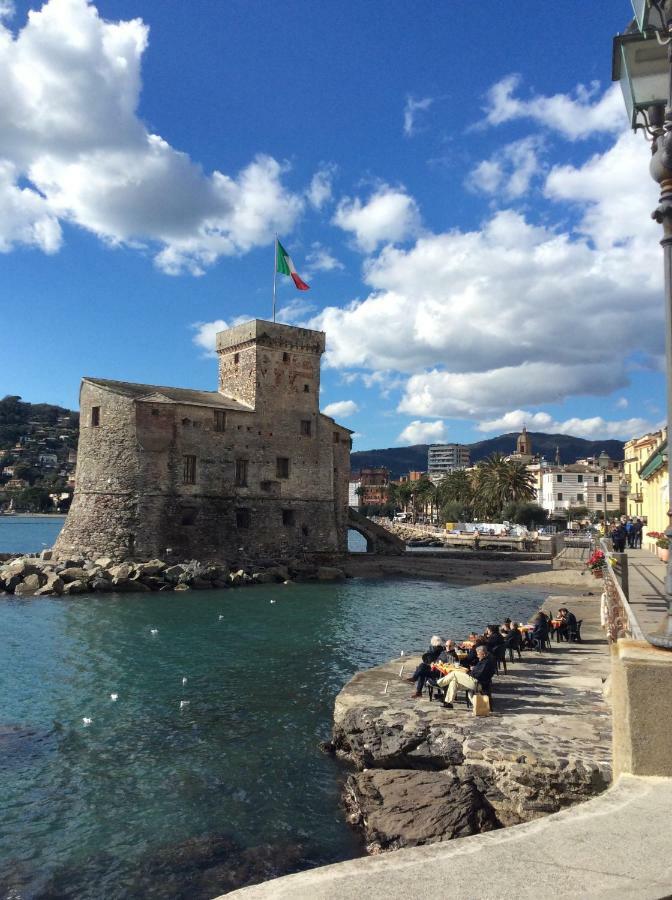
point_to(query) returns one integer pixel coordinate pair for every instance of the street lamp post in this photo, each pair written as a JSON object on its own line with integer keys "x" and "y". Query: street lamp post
{"x": 603, "y": 462}
{"x": 642, "y": 62}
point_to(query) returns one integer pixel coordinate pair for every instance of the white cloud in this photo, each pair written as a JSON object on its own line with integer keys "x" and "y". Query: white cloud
{"x": 510, "y": 172}
{"x": 411, "y": 110}
{"x": 594, "y": 428}
{"x": 514, "y": 313}
{"x": 7, "y": 9}
{"x": 206, "y": 332}
{"x": 320, "y": 189}
{"x": 389, "y": 215}
{"x": 320, "y": 259}
{"x": 341, "y": 409}
{"x": 25, "y": 216}
{"x": 575, "y": 117}
{"x": 69, "y": 129}
{"x": 295, "y": 311}
{"x": 418, "y": 432}
{"x": 622, "y": 403}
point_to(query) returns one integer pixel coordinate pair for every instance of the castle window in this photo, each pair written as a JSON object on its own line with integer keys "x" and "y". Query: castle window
{"x": 186, "y": 423}
{"x": 241, "y": 473}
{"x": 243, "y": 518}
{"x": 288, "y": 517}
{"x": 579, "y": 478}
{"x": 188, "y": 517}
{"x": 595, "y": 479}
{"x": 306, "y": 389}
{"x": 306, "y": 427}
{"x": 304, "y": 530}
{"x": 610, "y": 478}
{"x": 220, "y": 420}
{"x": 282, "y": 467}
{"x": 285, "y": 357}
{"x": 95, "y": 416}
{"x": 188, "y": 470}
{"x": 598, "y": 498}
{"x": 336, "y": 437}
{"x": 236, "y": 358}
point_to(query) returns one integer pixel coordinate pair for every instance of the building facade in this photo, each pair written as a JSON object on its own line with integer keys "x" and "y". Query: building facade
{"x": 445, "y": 458}
{"x": 374, "y": 486}
{"x": 253, "y": 468}
{"x": 636, "y": 452}
{"x": 564, "y": 488}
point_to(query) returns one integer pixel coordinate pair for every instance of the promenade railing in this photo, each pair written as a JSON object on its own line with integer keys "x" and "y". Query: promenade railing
{"x": 618, "y": 618}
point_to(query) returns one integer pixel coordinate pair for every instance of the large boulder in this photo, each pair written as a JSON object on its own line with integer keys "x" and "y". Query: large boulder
{"x": 29, "y": 585}
{"x": 400, "y": 808}
{"x": 330, "y": 573}
{"x": 147, "y": 569}
{"x": 74, "y": 574}
{"x": 123, "y": 571}
{"x": 21, "y": 567}
{"x": 75, "y": 587}
{"x": 104, "y": 562}
{"x": 53, "y": 585}
{"x": 173, "y": 573}
{"x": 128, "y": 586}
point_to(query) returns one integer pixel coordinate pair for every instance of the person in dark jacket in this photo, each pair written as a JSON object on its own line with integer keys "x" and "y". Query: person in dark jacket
{"x": 539, "y": 634}
{"x": 493, "y": 638}
{"x": 424, "y": 669}
{"x": 480, "y": 674}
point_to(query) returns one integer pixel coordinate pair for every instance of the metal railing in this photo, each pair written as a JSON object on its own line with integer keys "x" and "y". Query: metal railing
{"x": 617, "y": 616}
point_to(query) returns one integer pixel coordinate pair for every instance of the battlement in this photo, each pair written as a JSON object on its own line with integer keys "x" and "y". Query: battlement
{"x": 271, "y": 335}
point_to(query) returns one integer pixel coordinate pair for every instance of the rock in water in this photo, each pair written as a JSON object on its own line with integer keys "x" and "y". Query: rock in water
{"x": 401, "y": 808}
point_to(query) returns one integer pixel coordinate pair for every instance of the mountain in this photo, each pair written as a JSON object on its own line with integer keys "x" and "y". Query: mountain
{"x": 400, "y": 460}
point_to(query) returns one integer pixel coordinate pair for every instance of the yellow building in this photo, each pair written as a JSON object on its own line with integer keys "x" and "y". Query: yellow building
{"x": 637, "y": 451}
{"x": 655, "y": 489}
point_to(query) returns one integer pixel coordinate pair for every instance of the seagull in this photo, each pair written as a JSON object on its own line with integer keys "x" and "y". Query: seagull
{"x": 220, "y": 618}
{"x": 86, "y": 722}
{"x": 153, "y": 630}
{"x": 402, "y": 653}
{"x": 272, "y": 601}
{"x": 184, "y": 681}
{"x": 183, "y": 703}
{"x": 114, "y": 697}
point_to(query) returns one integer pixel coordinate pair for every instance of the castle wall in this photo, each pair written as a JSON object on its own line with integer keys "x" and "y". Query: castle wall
{"x": 132, "y": 496}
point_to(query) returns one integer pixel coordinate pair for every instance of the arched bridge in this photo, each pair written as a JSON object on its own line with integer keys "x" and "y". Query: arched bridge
{"x": 378, "y": 539}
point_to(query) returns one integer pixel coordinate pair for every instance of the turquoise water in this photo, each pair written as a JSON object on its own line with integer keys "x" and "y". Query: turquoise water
{"x": 112, "y": 809}
{"x": 28, "y": 534}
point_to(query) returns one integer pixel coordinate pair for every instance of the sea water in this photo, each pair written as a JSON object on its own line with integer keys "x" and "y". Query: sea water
{"x": 187, "y": 789}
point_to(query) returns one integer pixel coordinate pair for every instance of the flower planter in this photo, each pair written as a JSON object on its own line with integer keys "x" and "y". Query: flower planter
{"x": 663, "y": 553}
{"x": 597, "y": 573}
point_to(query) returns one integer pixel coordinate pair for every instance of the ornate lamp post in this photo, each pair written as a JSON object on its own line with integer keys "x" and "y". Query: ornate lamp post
{"x": 642, "y": 62}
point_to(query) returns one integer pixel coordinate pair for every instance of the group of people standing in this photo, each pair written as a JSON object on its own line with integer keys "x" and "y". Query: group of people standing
{"x": 626, "y": 532}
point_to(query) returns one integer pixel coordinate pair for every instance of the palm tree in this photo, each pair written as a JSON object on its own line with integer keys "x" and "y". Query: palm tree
{"x": 498, "y": 481}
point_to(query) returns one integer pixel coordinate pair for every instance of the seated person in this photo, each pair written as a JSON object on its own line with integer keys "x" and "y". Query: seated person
{"x": 513, "y": 641}
{"x": 539, "y": 634}
{"x": 472, "y": 657}
{"x": 567, "y": 626}
{"x": 449, "y": 657}
{"x": 493, "y": 638}
{"x": 424, "y": 670}
{"x": 480, "y": 674}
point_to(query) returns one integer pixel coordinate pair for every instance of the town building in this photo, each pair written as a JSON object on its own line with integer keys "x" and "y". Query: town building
{"x": 251, "y": 469}
{"x": 411, "y": 477}
{"x": 646, "y": 474}
{"x": 637, "y": 451}
{"x": 564, "y": 488}
{"x": 354, "y": 493}
{"x": 445, "y": 458}
{"x": 374, "y": 486}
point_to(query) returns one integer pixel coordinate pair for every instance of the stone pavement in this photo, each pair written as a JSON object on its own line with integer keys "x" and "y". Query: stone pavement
{"x": 608, "y": 847}
{"x": 646, "y": 579}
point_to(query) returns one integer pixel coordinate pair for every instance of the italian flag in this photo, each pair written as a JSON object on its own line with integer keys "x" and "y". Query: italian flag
{"x": 285, "y": 266}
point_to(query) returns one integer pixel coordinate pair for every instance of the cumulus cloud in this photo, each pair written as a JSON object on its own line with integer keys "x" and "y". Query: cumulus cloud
{"x": 69, "y": 130}
{"x": 510, "y": 172}
{"x": 389, "y": 215}
{"x": 576, "y": 117}
{"x": 411, "y": 110}
{"x": 341, "y": 409}
{"x": 206, "y": 332}
{"x": 320, "y": 259}
{"x": 622, "y": 403}
{"x": 320, "y": 189}
{"x": 295, "y": 311}
{"x": 591, "y": 428}
{"x": 515, "y": 313}
{"x": 418, "y": 432}
{"x": 7, "y": 9}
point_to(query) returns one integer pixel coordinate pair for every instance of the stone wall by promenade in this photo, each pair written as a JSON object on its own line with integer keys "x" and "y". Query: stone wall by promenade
{"x": 252, "y": 468}
{"x": 427, "y": 774}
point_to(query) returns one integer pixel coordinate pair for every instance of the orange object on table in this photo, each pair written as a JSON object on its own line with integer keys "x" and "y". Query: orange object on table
{"x": 526, "y": 627}
{"x": 556, "y": 623}
{"x": 467, "y": 644}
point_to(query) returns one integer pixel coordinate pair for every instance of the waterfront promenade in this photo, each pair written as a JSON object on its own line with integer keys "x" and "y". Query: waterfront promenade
{"x": 605, "y": 847}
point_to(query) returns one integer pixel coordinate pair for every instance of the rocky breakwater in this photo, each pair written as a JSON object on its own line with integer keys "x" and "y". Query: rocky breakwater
{"x": 427, "y": 774}
{"x": 37, "y": 576}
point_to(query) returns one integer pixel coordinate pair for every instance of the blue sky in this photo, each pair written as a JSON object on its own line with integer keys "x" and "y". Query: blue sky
{"x": 456, "y": 182}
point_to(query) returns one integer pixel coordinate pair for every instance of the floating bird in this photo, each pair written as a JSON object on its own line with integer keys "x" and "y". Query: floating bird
{"x": 183, "y": 703}
{"x": 86, "y": 722}
{"x": 184, "y": 681}
{"x": 114, "y": 697}
{"x": 220, "y": 618}
{"x": 272, "y": 601}
{"x": 153, "y": 630}
{"x": 402, "y": 653}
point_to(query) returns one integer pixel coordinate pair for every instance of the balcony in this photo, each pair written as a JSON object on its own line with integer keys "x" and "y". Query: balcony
{"x": 635, "y": 497}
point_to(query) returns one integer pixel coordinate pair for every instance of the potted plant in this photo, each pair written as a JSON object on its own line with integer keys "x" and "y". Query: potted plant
{"x": 662, "y": 544}
{"x": 596, "y": 564}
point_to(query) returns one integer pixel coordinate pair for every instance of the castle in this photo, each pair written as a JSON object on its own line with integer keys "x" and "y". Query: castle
{"x": 252, "y": 469}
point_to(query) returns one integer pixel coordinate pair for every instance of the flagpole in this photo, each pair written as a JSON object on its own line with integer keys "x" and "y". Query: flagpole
{"x": 275, "y": 270}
